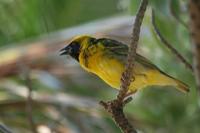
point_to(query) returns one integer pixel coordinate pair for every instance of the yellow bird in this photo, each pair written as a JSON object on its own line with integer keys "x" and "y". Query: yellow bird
{"x": 106, "y": 58}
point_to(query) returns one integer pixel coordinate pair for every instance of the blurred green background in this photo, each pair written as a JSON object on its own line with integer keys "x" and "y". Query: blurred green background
{"x": 21, "y": 19}
{"x": 66, "y": 97}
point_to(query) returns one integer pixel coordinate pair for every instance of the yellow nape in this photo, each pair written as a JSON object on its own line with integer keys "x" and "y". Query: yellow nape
{"x": 80, "y": 38}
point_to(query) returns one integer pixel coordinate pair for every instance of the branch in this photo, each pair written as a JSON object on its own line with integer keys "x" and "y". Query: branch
{"x": 194, "y": 10}
{"x": 127, "y": 75}
{"x": 169, "y": 46}
{"x": 29, "y": 102}
{"x": 115, "y": 107}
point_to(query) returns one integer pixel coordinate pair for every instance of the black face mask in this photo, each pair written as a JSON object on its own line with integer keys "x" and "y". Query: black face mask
{"x": 73, "y": 49}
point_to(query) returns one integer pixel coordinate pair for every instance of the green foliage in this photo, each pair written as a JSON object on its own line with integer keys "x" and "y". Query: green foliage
{"x": 22, "y": 19}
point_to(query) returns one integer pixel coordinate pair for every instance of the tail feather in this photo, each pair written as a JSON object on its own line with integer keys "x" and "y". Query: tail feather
{"x": 169, "y": 80}
{"x": 182, "y": 86}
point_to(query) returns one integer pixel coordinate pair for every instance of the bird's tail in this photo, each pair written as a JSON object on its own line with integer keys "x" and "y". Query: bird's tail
{"x": 178, "y": 84}
{"x": 181, "y": 86}
{"x": 165, "y": 79}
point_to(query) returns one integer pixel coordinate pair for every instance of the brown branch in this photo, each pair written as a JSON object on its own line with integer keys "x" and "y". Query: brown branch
{"x": 168, "y": 45}
{"x": 194, "y": 10}
{"x": 29, "y": 102}
{"x": 115, "y": 107}
{"x": 127, "y": 75}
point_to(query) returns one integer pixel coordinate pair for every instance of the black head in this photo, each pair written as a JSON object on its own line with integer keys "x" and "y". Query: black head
{"x": 78, "y": 43}
{"x": 73, "y": 49}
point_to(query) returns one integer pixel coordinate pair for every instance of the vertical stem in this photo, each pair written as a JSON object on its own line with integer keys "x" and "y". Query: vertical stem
{"x": 127, "y": 75}
{"x": 194, "y": 10}
{"x": 168, "y": 45}
{"x": 115, "y": 107}
{"x": 29, "y": 101}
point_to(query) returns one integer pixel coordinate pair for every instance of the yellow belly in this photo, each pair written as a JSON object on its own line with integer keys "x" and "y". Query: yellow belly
{"x": 110, "y": 70}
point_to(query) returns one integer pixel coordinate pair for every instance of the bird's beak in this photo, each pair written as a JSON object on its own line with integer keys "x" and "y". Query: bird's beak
{"x": 65, "y": 50}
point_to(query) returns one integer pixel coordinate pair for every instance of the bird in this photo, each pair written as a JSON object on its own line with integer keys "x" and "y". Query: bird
{"x": 106, "y": 58}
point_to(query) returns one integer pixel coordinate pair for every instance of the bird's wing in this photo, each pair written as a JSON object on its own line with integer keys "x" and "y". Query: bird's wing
{"x": 114, "y": 48}
{"x": 120, "y": 51}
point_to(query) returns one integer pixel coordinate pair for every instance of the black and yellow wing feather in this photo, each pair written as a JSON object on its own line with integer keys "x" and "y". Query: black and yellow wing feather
{"x": 120, "y": 52}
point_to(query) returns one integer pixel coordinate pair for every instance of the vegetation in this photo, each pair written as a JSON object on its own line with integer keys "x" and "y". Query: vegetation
{"x": 65, "y": 98}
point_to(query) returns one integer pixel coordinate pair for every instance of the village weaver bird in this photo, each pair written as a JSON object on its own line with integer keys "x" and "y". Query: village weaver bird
{"x": 106, "y": 58}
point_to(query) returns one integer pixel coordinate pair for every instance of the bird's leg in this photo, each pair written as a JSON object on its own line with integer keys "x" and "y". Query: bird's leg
{"x": 129, "y": 93}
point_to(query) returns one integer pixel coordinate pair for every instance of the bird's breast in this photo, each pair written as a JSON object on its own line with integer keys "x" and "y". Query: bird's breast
{"x": 108, "y": 69}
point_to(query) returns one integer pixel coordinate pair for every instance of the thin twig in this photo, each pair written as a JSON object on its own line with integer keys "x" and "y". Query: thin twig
{"x": 29, "y": 99}
{"x": 115, "y": 107}
{"x": 194, "y": 11}
{"x": 169, "y": 46}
